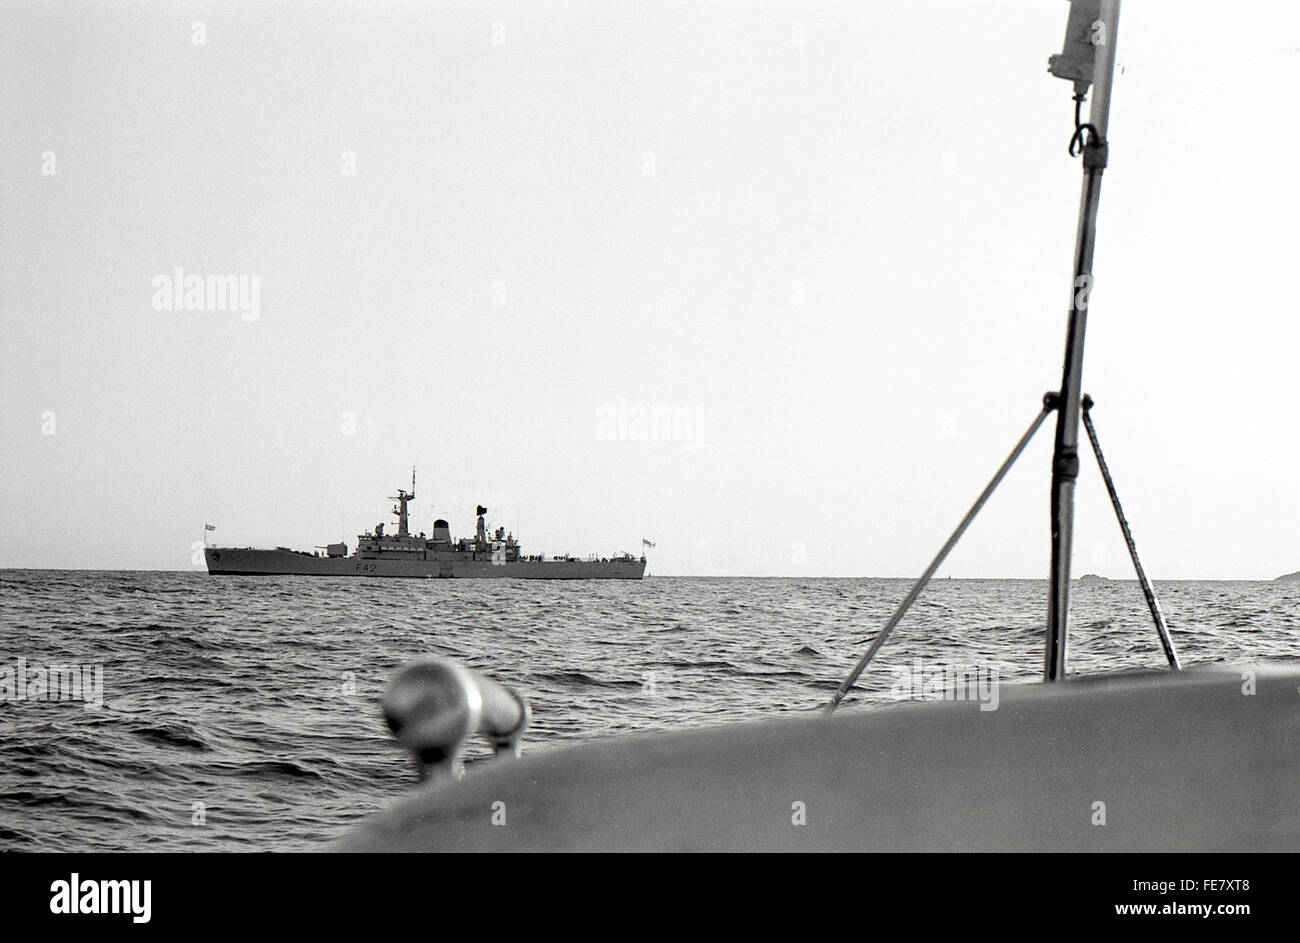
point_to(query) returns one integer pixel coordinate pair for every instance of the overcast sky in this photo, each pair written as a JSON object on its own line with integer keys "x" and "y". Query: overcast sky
{"x": 834, "y": 238}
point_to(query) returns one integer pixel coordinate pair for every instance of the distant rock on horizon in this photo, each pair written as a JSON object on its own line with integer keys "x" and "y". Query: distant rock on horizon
{"x": 1093, "y": 578}
{"x": 1290, "y": 576}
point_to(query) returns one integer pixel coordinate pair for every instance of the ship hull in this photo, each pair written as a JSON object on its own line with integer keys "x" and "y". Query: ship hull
{"x": 231, "y": 561}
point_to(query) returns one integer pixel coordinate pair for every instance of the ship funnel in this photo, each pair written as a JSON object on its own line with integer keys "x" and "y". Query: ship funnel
{"x": 441, "y": 531}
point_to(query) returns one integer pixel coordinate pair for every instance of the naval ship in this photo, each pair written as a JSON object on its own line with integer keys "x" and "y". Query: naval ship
{"x": 417, "y": 556}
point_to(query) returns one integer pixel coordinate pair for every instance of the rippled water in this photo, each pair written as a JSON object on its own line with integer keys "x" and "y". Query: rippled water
{"x": 251, "y": 704}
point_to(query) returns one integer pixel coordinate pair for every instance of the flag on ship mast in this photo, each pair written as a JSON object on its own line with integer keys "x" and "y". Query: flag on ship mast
{"x": 209, "y": 527}
{"x": 647, "y": 543}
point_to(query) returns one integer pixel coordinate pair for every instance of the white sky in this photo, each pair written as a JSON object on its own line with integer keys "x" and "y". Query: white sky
{"x": 902, "y": 172}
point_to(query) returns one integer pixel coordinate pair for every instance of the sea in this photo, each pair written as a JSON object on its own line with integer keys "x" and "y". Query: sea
{"x": 242, "y": 713}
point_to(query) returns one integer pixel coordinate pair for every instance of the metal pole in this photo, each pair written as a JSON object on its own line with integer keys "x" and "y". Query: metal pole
{"x": 939, "y": 558}
{"x": 1065, "y": 457}
{"x": 1152, "y": 602}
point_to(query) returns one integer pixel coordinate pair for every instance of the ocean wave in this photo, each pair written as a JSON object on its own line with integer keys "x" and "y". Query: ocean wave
{"x": 173, "y": 735}
{"x": 252, "y": 706}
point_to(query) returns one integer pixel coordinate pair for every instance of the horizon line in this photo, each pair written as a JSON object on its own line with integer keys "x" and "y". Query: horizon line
{"x": 694, "y": 576}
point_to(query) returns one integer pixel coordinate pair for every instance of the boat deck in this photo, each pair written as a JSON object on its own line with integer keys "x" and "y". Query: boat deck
{"x": 1182, "y": 762}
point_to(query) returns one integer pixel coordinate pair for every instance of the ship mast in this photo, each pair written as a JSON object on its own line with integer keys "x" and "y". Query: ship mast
{"x": 403, "y": 498}
{"x": 1088, "y": 58}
